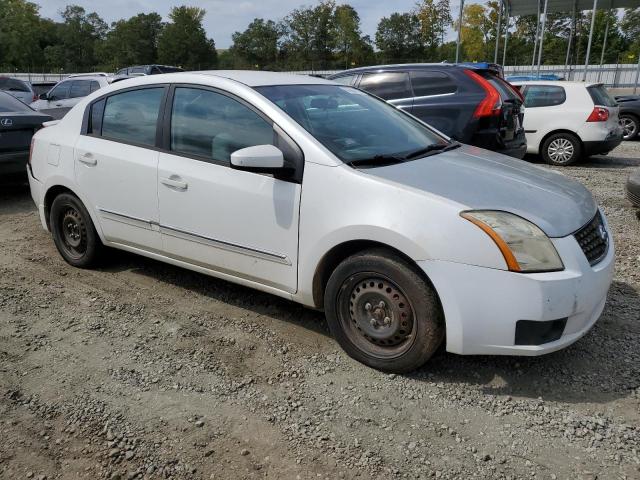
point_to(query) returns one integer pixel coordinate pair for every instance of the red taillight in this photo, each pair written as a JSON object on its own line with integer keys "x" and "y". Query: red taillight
{"x": 599, "y": 114}
{"x": 491, "y": 105}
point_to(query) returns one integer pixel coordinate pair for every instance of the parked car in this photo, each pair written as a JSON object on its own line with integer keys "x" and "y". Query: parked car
{"x": 147, "y": 70}
{"x": 66, "y": 93}
{"x": 565, "y": 121}
{"x": 470, "y": 104}
{"x": 633, "y": 188}
{"x": 18, "y": 122}
{"x": 527, "y": 78}
{"x": 18, "y": 88}
{"x": 629, "y": 115}
{"x": 327, "y": 196}
{"x": 40, "y": 87}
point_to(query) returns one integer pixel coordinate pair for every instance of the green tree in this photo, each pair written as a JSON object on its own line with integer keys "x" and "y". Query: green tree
{"x": 78, "y": 38}
{"x": 20, "y": 31}
{"x": 256, "y": 47}
{"x": 476, "y": 32}
{"x": 132, "y": 41}
{"x": 435, "y": 17}
{"x": 351, "y": 47}
{"x": 183, "y": 41}
{"x": 309, "y": 36}
{"x": 398, "y": 38}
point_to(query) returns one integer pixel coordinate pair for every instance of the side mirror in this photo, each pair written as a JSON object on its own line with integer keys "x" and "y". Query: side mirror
{"x": 260, "y": 159}
{"x": 43, "y": 96}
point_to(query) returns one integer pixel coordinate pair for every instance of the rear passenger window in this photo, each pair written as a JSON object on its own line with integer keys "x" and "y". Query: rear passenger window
{"x": 431, "y": 83}
{"x": 390, "y": 85}
{"x": 543, "y": 96}
{"x": 94, "y": 86}
{"x": 132, "y": 116}
{"x": 213, "y": 126}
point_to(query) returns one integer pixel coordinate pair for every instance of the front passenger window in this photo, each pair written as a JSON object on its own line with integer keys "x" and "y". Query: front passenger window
{"x": 60, "y": 91}
{"x": 213, "y": 126}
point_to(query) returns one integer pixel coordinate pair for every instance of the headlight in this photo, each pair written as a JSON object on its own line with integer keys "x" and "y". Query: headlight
{"x": 524, "y": 246}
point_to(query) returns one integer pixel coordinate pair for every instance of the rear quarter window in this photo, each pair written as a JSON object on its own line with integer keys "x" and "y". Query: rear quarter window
{"x": 544, "y": 96}
{"x": 431, "y": 83}
{"x": 600, "y": 96}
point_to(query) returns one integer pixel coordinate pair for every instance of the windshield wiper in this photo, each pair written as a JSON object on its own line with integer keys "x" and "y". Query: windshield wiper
{"x": 376, "y": 160}
{"x": 430, "y": 149}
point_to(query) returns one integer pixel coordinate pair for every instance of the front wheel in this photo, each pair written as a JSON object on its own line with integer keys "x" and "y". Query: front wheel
{"x": 382, "y": 312}
{"x": 73, "y": 232}
{"x": 561, "y": 149}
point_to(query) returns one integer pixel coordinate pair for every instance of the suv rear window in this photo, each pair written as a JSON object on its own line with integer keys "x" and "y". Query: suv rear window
{"x": 389, "y": 85}
{"x": 506, "y": 90}
{"x": 600, "y": 96}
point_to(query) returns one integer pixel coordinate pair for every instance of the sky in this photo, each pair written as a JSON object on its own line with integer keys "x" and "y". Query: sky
{"x": 224, "y": 17}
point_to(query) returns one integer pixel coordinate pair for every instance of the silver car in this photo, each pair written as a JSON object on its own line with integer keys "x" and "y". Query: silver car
{"x": 19, "y": 89}
{"x": 65, "y": 94}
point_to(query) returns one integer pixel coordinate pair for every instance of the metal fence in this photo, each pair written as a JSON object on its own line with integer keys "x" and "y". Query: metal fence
{"x": 613, "y": 75}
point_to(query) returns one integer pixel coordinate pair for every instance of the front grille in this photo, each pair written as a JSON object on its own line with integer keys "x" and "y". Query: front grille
{"x": 593, "y": 239}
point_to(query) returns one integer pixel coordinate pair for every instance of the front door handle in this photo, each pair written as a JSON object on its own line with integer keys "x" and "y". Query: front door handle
{"x": 175, "y": 181}
{"x": 88, "y": 159}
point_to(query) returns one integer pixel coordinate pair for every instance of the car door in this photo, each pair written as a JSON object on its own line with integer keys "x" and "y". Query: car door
{"x": 116, "y": 165}
{"x": 235, "y": 222}
{"x": 394, "y": 87}
{"x": 437, "y": 104}
{"x": 57, "y": 103}
{"x": 544, "y": 112}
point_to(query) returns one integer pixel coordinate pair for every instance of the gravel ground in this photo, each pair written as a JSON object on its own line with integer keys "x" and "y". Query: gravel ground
{"x": 143, "y": 370}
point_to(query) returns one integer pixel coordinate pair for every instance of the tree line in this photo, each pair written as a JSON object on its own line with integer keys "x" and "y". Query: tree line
{"x": 325, "y": 35}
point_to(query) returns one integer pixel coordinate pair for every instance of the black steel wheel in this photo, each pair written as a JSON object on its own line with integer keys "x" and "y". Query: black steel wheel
{"x": 382, "y": 312}
{"x": 73, "y": 231}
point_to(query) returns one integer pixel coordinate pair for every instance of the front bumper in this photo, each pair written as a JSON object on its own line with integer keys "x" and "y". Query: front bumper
{"x": 482, "y": 306}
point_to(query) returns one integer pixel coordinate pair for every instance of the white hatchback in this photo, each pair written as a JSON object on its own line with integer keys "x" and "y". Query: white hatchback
{"x": 328, "y": 196}
{"x": 565, "y": 121}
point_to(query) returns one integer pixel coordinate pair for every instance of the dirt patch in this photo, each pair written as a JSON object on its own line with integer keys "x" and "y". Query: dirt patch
{"x": 144, "y": 370}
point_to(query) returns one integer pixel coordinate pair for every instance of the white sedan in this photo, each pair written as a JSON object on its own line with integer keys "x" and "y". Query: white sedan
{"x": 327, "y": 196}
{"x": 565, "y": 121}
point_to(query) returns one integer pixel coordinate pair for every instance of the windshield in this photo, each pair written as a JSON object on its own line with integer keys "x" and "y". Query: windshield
{"x": 353, "y": 125}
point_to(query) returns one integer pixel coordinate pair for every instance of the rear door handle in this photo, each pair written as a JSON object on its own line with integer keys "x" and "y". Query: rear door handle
{"x": 175, "y": 181}
{"x": 88, "y": 159}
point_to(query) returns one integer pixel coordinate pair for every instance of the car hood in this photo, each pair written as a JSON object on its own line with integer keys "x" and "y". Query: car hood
{"x": 480, "y": 179}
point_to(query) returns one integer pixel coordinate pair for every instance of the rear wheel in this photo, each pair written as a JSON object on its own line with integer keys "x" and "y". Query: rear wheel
{"x": 73, "y": 232}
{"x": 382, "y": 312}
{"x": 630, "y": 126}
{"x": 561, "y": 149}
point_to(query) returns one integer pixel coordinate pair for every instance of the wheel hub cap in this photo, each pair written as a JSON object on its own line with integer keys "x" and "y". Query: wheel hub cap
{"x": 380, "y": 312}
{"x": 561, "y": 150}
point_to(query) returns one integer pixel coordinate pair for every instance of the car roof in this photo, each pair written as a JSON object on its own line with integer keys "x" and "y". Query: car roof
{"x": 417, "y": 66}
{"x": 253, "y": 78}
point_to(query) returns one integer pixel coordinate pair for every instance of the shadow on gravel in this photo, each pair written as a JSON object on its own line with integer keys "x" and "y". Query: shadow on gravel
{"x": 602, "y": 366}
{"x": 15, "y": 198}
{"x": 216, "y": 289}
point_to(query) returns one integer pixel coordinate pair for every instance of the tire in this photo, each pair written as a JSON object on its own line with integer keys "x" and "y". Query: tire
{"x": 561, "y": 149}
{"x": 382, "y": 312}
{"x": 73, "y": 231}
{"x": 630, "y": 126}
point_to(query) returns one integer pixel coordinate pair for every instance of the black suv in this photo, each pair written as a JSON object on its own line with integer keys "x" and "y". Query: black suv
{"x": 471, "y": 104}
{"x": 148, "y": 70}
